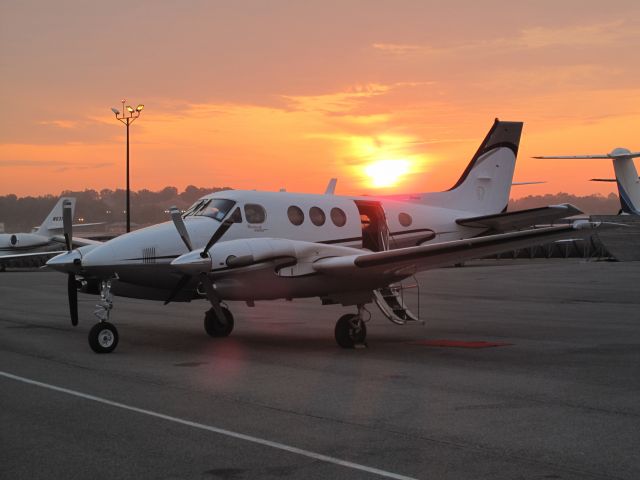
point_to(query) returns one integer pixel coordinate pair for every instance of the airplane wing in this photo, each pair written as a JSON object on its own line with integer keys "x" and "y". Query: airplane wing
{"x": 77, "y": 241}
{"x": 388, "y": 266}
{"x": 28, "y": 259}
{"x": 502, "y": 222}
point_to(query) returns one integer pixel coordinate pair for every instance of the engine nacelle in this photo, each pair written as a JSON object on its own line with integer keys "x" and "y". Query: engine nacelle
{"x": 22, "y": 240}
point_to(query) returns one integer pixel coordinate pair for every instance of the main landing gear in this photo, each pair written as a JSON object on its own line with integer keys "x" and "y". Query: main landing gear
{"x": 351, "y": 330}
{"x": 103, "y": 337}
{"x": 217, "y": 325}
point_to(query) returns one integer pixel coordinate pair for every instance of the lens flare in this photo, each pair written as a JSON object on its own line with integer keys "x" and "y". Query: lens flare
{"x": 386, "y": 173}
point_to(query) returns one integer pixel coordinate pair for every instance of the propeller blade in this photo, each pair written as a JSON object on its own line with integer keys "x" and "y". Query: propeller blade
{"x": 67, "y": 224}
{"x": 217, "y": 235}
{"x": 72, "y": 293}
{"x": 179, "y": 286}
{"x": 178, "y": 221}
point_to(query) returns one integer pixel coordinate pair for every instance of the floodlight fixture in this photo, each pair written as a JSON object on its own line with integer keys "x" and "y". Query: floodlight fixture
{"x": 139, "y": 107}
{"x": 130, "y": 109}
{"x": 115, "y": 110}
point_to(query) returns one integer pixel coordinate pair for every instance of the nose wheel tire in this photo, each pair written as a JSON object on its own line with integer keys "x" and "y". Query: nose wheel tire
{"x": 350, "y": 331}
{"x": 217, "y": 327}
{"x": 103, "y": 337}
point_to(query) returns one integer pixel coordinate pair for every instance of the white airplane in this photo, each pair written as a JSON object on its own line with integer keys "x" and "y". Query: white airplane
{"x": 44, "y": 241}
{"x": 626, "y": 176}
{"x": 348, "y": 250}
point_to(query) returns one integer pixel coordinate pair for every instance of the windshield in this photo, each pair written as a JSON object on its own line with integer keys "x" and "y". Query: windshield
{"x": 216, "y": 208}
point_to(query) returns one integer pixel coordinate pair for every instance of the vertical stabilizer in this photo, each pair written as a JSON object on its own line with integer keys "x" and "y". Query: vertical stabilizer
{"x": 627, "y": 180}
{"x": 52, "y": 224}
{"x": 485, "y": 185}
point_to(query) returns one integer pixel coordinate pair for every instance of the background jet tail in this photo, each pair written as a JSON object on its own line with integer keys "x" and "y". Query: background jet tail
{"x": 627, "y": 180}
{"x": 52, "y": 224}
{"x": 485, "y": 185}
{"x": 626, "y": 175}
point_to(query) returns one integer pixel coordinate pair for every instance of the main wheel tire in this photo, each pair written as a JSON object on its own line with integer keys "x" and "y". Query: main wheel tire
{"x": 103, "y": 337}
{"x": 347, "y": 334}
{"x": 215, "y": 327}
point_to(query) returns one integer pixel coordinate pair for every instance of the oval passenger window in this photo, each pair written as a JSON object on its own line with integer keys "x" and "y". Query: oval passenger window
{"x": 338, "y": 217}
{"x": 317, "y": 216}
{"x": 254, "y": 213}
{"x": 295, "y": 214}
{"x": 405, "y": 219}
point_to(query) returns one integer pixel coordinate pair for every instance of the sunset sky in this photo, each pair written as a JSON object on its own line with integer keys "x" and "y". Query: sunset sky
{"x": 287, "y": 94}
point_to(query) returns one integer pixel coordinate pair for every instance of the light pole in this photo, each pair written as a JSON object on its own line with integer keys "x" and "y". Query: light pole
{"x": 128, "y": 116}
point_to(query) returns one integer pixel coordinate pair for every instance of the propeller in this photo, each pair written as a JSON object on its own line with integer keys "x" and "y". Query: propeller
{"x": 178, "y": 221}
{"x": 217, "y": 235}
{"x": 72, "y": 288}
{"x": 176, "y": 216}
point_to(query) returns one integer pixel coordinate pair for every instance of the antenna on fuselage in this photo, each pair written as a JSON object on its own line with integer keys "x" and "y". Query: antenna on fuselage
{"x": 331, "y": 187}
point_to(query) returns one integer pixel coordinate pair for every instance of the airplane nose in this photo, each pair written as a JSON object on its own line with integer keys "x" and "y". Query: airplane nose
{"x": 102, "y": 260}
{"x": 68, "y": 262}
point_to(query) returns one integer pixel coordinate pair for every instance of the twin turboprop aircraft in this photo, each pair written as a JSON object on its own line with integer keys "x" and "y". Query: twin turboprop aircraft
{"x": 349, "y": 250}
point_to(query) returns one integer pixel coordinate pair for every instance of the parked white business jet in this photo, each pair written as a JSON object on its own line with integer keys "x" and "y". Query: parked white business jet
{"x": 626, "y": 176}
{"x": 47, "y": 239}
{"x": 349, "y": 250}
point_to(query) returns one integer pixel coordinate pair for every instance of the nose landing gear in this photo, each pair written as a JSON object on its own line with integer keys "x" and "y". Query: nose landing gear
{"x": 103, "y": 337}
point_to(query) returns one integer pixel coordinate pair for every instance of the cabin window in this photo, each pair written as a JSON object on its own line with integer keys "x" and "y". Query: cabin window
{"x": 295, "y": 214}
{"x": 317, "y": 216}
{"x": 405, "y": 219}
{"x": 338, "y": 217}
{"x": 254, "y": 213}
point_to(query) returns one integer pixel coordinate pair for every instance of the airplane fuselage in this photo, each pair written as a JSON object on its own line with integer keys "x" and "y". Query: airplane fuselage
{"x": 142, "y": 258}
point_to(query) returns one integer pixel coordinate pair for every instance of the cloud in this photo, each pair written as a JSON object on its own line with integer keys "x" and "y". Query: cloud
{"x": 60, "y": 123}
{"x": 598, "y": 34}
{"x": 58, "y": 165}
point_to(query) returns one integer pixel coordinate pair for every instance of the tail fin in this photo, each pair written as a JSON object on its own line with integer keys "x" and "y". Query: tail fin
{"x": 485, "y": 185}
{"x": 626, "y": 175}
{"x": 627, "y": 180}
{"x": 52, "y": 224}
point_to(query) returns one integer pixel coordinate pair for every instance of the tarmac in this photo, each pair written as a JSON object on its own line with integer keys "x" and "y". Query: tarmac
{"x": 557, "y": 398}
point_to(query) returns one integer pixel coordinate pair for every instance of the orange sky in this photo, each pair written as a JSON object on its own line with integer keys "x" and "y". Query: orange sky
{"x": 269, "y": 95}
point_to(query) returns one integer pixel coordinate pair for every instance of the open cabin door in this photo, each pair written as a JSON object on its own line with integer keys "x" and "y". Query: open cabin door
{"x": 375, "y": 237}
{"x": 375, "y": 232}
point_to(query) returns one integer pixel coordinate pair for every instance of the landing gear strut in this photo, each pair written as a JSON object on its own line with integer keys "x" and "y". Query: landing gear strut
{"x": 217, "y": 326}
{"x": 103, "y": 337}
{"x": 351, "y": 330}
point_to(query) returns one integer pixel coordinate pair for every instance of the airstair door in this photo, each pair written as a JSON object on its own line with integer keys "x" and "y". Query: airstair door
{"x": 375, "y": 232}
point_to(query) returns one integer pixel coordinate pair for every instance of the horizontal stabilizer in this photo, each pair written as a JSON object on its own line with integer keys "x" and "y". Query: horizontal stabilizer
{"x": 503, "y": 222}
{"x": 618, "y": 153}
{"x": 528, "y": 183}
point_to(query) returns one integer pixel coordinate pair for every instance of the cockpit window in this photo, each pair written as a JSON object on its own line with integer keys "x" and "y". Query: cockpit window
{"x": 193, "y": 208}
{"x": 216, "y": 208}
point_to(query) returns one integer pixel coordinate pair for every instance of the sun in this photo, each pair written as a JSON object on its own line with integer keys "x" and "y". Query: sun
{"x": 386, "y": 173}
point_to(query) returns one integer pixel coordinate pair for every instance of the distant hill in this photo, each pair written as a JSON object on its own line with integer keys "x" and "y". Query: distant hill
{"x": 147, "y": 207}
